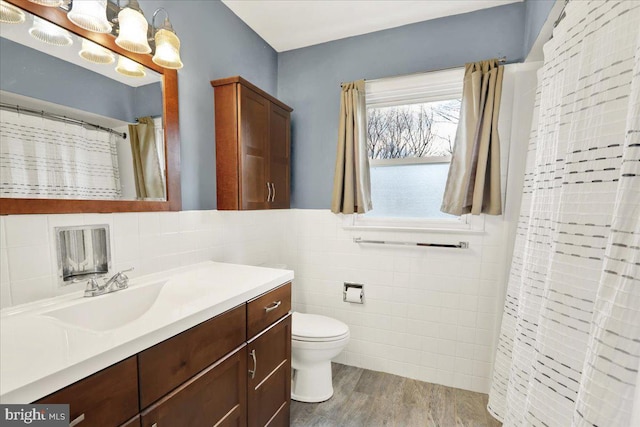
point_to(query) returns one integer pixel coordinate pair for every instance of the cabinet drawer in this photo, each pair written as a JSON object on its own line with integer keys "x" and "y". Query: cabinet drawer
{"x": 269, "y": 390}
{"x": 106, "y": 398}
{"x": 215, "y": 397}
{"x": 267, "y": 308}
{"x": 168, "y": 364}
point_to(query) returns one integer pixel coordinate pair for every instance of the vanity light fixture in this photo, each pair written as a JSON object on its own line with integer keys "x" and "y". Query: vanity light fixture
{"x": 133, "y": 27}
{"x": 9, "y": 14}
{"x": 48, "y": 3}
{"x": 49, "y": 33}
{"x": 167, "y": 43}
{"x": 95, "y": 53}
{"x": 130, "y": 68}
{"x": 90, "y": 15}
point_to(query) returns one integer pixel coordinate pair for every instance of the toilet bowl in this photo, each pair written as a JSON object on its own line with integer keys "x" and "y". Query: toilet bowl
{"x": 315, "y": 340}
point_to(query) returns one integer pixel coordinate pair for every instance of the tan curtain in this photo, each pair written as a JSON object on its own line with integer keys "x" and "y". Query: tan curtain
{"x": 351, "y": 183}
{"x": 146, "y": 164}
{"x": 473, "y": 184}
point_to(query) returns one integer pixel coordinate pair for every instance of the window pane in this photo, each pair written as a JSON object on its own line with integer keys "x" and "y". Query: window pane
{"x": 414, "y": 189}
{"x": 414, "y": 130}
{"x": 408, "y": 191}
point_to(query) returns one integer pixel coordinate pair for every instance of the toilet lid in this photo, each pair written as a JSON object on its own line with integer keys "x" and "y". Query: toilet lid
{"x": 314, "y": 327}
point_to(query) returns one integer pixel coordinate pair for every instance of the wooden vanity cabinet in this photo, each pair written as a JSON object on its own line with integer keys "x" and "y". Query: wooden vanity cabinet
{"x": 214, "y": 397}
{"x": 231, "y": 370}
{"x": 170, "y": 363}
{"x": 269, "y": 379}
{"x": 106, "y": 398}
{"x": 133, "y": 422}
{"x": 269, "y": 358}
{"x": 253, "y": 147}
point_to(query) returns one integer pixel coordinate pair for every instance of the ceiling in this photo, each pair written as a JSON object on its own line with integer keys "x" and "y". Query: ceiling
{"x": 292, "y": 24}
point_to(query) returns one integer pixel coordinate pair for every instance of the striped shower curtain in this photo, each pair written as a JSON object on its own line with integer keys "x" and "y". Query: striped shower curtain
{"x": 44, "y": 158}
{"x": 569, "y": 347}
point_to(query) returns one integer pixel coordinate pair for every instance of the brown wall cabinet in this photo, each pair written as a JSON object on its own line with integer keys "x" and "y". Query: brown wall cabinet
{"x": 253, "y": 147}
{"x": 231, "y": 370}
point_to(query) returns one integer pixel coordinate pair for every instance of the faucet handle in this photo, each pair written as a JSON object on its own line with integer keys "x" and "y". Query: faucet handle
{"x": 123, "y": 280}
{"x": 92, "y": 287}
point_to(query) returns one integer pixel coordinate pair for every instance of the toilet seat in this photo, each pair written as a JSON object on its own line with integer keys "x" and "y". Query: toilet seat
{"x": 317, "y": 328}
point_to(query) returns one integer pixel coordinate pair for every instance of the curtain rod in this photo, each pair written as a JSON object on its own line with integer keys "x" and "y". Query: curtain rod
{"x": 501, "y": 60}
{"x": 64, "y": 119}
{"x": 153, "y": 117}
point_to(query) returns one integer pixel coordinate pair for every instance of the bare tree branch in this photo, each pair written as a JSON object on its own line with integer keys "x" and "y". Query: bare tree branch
{"x": 412, "y": 130}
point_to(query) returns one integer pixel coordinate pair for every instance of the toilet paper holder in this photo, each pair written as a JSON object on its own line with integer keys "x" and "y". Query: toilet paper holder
{"x": 355, "y": 286}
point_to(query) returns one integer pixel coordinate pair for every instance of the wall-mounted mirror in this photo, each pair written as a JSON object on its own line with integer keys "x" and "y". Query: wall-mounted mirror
{"x": 84, "y": 125}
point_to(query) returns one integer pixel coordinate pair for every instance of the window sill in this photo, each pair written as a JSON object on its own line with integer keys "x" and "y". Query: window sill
{"x": 468, "y": 225}
{"x": 412, "y": 229}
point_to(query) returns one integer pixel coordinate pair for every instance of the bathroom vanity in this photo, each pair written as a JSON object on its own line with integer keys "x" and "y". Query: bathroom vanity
{"x": 207, "y": 345}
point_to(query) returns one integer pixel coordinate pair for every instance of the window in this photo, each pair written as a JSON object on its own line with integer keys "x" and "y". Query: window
{"x": 411, "y": 128}
{"x": 409, "y": 148}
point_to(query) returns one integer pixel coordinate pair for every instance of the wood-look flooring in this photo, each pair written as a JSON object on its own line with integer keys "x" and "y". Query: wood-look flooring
{"x": 375, "y": 399}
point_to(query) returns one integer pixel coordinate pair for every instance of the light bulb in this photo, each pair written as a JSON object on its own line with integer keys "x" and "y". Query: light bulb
{"x": 129, "y": 68}
{"x": 49, "y": 33}
{"x": 133, "y": 31}
{"x": 9, "y": 14}
{"x": 90, "y": 15}
{"x": 167, "y": 50}
{"x": 95, "y": 53}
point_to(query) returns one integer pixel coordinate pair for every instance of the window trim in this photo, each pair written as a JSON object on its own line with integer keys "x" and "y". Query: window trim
{"x": 409, "y": 161}
{"x": 467, "y": 224}
{"x": 404, "y": 90}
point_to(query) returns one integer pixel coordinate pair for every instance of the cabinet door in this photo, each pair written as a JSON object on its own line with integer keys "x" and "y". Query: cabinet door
{"x": 269, "y": 387}
{"x": 279, "y": 156}
{"x": 254, "y": 155}
{"x": 106, "y": 398}
{"x": 214, "y": 397}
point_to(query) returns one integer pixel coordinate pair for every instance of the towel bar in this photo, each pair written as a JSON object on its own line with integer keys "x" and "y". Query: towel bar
{"x": 461, "y": 245}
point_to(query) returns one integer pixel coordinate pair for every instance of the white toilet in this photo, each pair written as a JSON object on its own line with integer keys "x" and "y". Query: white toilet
{"x": 315, "y": 341}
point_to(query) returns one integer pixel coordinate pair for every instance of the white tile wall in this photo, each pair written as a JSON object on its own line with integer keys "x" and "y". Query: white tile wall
{"x": 429, "y": 313}
{"x": 149, "y": 242}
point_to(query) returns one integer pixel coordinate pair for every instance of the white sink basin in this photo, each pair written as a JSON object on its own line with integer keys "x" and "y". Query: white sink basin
{"x": 109, "y": 311}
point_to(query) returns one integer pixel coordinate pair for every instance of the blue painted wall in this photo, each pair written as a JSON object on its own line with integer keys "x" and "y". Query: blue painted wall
{"x": 147, "y": 100}
{"x": 309, "y": 79}
{"x": 215, "y": 44}
{"x": 536, "y": 13}
{"x": 29, "y": 72}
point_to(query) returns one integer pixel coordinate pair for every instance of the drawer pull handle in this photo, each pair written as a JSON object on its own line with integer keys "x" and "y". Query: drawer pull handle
{"x": 269, "y": 195}
{"x": 273, "y": 196}
{"x": 255, "y": 364}
{"x": 77, "y": 420}
{"x": 273, "y": 306}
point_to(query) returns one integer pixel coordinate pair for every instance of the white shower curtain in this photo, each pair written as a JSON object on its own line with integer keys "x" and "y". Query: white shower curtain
{"x": 44, "y": 158}
{"x": 569, "y": 346}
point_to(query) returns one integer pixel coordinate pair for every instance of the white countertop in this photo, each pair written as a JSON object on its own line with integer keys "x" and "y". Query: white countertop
{"x": 40, "y": 354}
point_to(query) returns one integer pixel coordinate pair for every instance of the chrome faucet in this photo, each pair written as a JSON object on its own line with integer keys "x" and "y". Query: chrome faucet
{"x": 117, "y": 282}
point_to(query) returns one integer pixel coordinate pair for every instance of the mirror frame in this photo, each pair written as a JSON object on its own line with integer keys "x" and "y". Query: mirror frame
{"x": 170, "y": 124}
